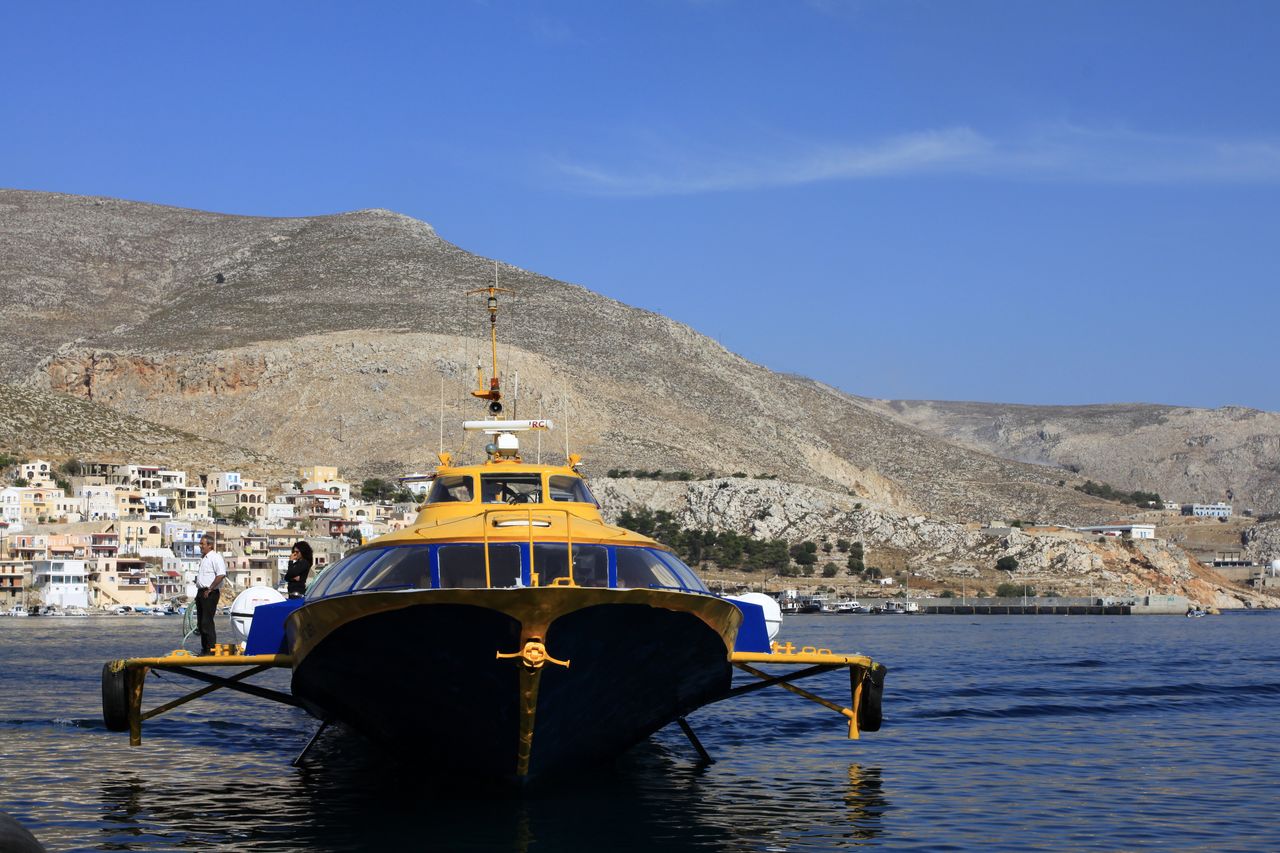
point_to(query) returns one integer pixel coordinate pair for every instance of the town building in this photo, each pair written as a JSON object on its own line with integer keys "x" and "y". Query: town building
{"x": 11, "y": 505}
{"x": 59, "y": 583}
{"x": 37, "y": 472}
{"x": 98, "y": 501}
{"x": 1127, "y": 531}
{"x": 225, "y": 481}
{"x": 318, "y": 474}
{"x": 417, "y": 484}
{"x": 1214, "y": 510}
{"x": 253, "y": 499}
{"x": 190, "y": 502}
{"x": 115, "y": 581}
{"x": 14, "y": 578}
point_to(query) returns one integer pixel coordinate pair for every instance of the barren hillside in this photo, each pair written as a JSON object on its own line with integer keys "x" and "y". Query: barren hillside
{"x": 328, "y": 339}
{"x": 1188, "y": 455}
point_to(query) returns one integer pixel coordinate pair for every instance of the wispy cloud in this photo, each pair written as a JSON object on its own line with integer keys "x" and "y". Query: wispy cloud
{"x": 1049, "y": 153}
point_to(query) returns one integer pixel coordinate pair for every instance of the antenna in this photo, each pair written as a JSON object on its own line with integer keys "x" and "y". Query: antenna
{"x": 492, "y": 390}
{"x": 442, "y": 411}
{"x": 539, "y": 434}
{"x": 566, "y": 424}
{"x": 515, "y": 394}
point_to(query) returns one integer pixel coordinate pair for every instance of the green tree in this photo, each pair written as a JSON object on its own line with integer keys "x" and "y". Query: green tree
{"x": 769, "y": 556}
{"x": 641, "y": 521}
{"x": 240, "y": 516}
{"x": 829, "y": 570}
{"x": 377, "y": 489}
{"x": 1007, "y": 564}
{"x": 1014, "y": 590}
{"x": 855, "y": 562}
{"x": 805, "y": 553}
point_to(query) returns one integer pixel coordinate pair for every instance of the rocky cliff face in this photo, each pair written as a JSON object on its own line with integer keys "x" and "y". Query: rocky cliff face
{"x": 1262, "y": 542}
{"x": 39, "y": 423}
{"x": 926, "y": 551}
{"x": 1188, "y": 455}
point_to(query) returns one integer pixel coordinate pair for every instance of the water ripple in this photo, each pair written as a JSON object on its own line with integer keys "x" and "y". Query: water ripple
{"x": 1040, "y": 733}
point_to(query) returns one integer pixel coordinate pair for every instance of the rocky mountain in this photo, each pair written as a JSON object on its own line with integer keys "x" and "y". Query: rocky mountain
{"x": 1189, "y": 455}
{"x": 352, "y": 339}
{"x": 923, "y": 552}
{"x": 1262, "y": 542}
{"x": 35, "y": 422}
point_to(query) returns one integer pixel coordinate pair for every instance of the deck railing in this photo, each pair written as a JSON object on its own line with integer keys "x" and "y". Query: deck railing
{"x": 527, "y": 515}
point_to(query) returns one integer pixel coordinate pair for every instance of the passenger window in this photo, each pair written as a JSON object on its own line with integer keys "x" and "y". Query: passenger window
{"x": 688, "y": 578}
{"x": 640, "y": 568}
{"x": 590, "y": 563}
{"x": 339, "y": 578}
{"x": 450, "y": 490}
{"x": 400, "y": 568}
{"x": 462, "y": 566}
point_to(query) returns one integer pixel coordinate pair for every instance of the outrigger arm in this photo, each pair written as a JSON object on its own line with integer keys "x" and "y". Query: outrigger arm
{"x": 123, "y": 680}
{"x": 866, "y": 681}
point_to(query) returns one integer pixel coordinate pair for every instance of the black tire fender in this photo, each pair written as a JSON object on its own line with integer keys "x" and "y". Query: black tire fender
{"x": 870, "y": 715}
{"x": 115, "y": 698}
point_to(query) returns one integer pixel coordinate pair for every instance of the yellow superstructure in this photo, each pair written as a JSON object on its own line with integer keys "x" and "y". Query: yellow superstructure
{"x": 494, "y": 519}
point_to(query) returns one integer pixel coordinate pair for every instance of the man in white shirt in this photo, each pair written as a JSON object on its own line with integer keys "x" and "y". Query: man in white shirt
{"x": 209, "y": 580}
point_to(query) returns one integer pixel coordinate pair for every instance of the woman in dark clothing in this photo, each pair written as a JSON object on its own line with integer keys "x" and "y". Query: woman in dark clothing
{"x": 300, "y": 560}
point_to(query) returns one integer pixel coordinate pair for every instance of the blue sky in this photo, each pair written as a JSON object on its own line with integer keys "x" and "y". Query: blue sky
{"x": 1033, "y": 202}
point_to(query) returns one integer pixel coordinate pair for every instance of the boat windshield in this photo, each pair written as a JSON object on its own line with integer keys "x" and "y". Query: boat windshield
{"x": 462, "y": 566}
{"x": 450, "y": 490}
{"x": 643, "y": 568}
{"x": 406, "y": 567}
{"x": 565, "y": 488}
{"x": 511, "y": 488}
{"x": 341, "y": 575}
{"x": 590, "y": 563}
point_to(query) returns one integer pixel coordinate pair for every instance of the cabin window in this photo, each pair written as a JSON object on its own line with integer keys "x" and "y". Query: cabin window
{"x": 640, "y": 568}
{"x": 462, "y": 566}
{"x": 339, "y": 578}
{"x": 450, "y": 490}
{"x": 510, "y": 488}
{"x": 590, "y": 563}
{"x": 400, "y": 568}
{"x": 566, "y": 488}
{"x": 688, "y": 578}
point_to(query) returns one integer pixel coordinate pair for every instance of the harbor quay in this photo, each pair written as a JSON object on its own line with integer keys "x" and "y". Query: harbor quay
{"x": 1143, "y": 605}
{"x": 1150, "y": 604}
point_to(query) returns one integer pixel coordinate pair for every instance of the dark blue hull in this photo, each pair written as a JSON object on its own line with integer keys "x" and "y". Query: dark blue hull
{"x": 422, "y": 677}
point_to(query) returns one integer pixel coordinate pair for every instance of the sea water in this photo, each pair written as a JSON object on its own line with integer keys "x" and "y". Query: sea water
{"x": 1000, "y": 733}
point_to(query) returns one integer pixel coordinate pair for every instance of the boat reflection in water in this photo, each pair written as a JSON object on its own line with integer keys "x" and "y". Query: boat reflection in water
{"x": 509, "y": 632}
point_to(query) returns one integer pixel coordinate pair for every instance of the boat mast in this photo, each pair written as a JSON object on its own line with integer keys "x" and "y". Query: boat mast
{"x": 504, "y": 447}
{"x": 491, "y": 390}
